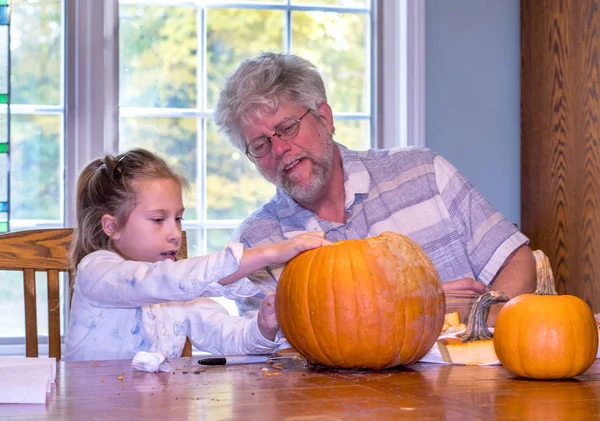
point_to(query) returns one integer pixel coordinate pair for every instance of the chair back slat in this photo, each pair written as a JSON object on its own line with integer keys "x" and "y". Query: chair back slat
{"x": 31, "y": 333}
{"x": 53, "y": 315}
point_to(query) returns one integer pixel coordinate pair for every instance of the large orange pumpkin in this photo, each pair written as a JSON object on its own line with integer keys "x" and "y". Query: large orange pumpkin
{"x": 544, "y": 335}
{"x": 356, "y": 304}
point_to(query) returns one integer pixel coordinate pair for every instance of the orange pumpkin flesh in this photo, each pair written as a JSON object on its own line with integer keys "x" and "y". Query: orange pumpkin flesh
{"x": 370, "y": 303}
{"x": 544, "y": 335}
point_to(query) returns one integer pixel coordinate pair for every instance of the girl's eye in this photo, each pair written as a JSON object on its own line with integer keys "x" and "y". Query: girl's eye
{"x": 179, "y": 219}
{"x": 157, "y": 220}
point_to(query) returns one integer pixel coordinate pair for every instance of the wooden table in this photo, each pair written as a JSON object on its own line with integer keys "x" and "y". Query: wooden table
{"x": 112, "y": 390}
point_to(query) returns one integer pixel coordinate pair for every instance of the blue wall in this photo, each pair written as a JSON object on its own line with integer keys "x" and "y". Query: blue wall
{"x": 473, "y": 94}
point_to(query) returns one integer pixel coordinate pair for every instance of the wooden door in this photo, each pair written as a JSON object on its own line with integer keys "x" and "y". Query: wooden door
{"x": 560, "y": 139}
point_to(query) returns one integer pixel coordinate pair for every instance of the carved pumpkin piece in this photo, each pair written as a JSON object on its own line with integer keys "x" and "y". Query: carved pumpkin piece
{"x": 476, "y": 344}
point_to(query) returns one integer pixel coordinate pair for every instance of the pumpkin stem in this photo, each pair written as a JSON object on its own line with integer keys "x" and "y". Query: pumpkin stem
{"x": 476, "y": 326}
{"x": 545, "y": 279}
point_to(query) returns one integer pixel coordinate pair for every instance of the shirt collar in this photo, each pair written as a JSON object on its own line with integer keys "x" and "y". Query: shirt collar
{"x": 356, "y": 182}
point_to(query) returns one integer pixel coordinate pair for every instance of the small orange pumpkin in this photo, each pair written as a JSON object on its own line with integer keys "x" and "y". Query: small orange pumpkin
{"x": 370, "y": 303}
{"x": 544, "y": 335}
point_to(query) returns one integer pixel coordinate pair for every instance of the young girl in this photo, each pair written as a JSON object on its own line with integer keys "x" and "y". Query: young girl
{"x": 131, "y": 293}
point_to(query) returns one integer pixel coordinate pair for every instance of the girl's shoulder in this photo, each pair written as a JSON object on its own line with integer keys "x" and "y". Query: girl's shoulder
{"x": 99, "y": 256}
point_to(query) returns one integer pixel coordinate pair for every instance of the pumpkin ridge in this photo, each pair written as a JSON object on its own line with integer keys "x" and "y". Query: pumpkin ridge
{"x": 318, "y": 263}
{"x": 383, "y": 284}
{"x": 572, "y": 310}
{"x": 305, "y": 294}
{"x": 380, "y": 316}
{"x": 425, "y": 312}
{"x": 517, "y": 350}
{"x": 364, "y": 301}
{"x": 308, "y": 260}
{"x": 389, "y": 336}
{"x": 334, "y": 312}
{"x": 289, "y": 290}
{"x": 582, "y": 313}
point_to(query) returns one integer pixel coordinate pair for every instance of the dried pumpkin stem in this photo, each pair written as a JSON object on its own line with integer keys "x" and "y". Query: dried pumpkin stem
{"x": 477, "y": 328}
{"x": 545, "y": 279}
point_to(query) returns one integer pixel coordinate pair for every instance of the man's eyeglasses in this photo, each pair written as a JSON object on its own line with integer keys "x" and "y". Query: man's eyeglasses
{"x": 261, "y": 146}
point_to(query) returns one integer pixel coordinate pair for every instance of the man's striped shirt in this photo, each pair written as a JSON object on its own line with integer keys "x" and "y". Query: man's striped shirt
{"x": 411, "y": 191}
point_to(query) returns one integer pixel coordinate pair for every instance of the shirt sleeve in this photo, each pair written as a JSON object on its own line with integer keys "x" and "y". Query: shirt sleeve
{"x": 489, "y": 238}
{"x": 105, "y": 279}
{"x": 264, "y": 279}
{"x": 213, "y": 330}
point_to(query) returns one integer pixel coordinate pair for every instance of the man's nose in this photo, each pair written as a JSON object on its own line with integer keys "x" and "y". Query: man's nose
{"x": 278, "y": 146}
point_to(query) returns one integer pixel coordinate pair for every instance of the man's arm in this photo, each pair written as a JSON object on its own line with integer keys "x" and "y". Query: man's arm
{"x": 516, "y": 276}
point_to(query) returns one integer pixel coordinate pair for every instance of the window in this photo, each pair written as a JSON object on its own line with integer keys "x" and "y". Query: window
{"x": 90, "y": 77}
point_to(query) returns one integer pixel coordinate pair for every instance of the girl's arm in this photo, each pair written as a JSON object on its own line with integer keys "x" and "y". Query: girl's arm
{"x": 213, "y": 330}
{"x": 261, "y": 256}
{"x": 105, "y": 279}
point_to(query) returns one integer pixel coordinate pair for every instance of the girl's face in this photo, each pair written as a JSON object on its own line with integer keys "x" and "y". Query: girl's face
{"x": 153, "y": 231}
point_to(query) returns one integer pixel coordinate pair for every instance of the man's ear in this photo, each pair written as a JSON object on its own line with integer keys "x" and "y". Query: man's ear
{"x": 110, "y": 227}
{"x": 326, "y": 115}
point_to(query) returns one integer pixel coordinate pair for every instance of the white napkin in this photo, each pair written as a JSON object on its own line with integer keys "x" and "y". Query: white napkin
{"x": 434, "y": 355}
{"x": 26, "y": 380}
{"x": 150, "y": 361}
{"x": 50, "y": 363}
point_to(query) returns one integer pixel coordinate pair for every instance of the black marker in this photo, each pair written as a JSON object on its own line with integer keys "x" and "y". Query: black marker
{"x": 234, "y": 359}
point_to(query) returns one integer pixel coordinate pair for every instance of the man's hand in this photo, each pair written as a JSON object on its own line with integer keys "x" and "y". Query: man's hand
{"x": 465, "y": 288}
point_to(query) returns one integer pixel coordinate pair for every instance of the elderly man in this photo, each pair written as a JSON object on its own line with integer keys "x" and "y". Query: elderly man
{"x": 274, "y": 108}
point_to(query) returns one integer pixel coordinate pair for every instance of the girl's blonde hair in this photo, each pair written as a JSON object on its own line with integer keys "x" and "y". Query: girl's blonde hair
{"x": 109, "y": 186}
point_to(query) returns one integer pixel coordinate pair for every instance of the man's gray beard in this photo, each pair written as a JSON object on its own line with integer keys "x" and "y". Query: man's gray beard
{"x": 321, "y": 171}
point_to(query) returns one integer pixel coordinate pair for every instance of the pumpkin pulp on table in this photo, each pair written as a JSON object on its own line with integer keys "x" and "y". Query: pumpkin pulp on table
{"x": 361, "y": 304}
{"x": 544, "y": 335}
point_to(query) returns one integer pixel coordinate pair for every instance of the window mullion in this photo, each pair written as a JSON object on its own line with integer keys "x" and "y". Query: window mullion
{"x": 91, "y": 124}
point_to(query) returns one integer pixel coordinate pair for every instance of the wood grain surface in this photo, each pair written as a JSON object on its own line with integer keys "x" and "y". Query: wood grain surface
{"x": 560, "y": 135}
{"x": 112, "y": 390}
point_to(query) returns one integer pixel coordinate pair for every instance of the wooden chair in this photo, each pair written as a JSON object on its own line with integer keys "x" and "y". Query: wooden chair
{"x": 46, "y": 250}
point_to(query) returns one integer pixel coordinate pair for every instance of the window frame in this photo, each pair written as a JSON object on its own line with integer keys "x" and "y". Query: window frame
{"x": 92, "y": 112}
{"x": 91, "y": 87}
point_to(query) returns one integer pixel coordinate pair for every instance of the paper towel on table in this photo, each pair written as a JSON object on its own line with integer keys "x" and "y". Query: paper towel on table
{"x": 24, "y": 383}
{"x": 150, "y": 361}
{"x": 434, "y": 355}
{"x": 50, "y": 363}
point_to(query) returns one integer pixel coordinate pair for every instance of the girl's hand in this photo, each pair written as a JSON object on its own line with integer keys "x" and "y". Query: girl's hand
{"x": 287, "y": 249}
{"x": 267, "y": 318}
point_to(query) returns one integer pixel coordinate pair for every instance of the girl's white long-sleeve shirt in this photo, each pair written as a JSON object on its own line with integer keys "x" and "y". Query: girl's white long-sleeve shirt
{"x": 121, "y": 307}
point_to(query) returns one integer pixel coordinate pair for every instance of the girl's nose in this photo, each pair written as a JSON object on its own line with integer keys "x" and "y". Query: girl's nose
{"x": 174, "y": 234}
